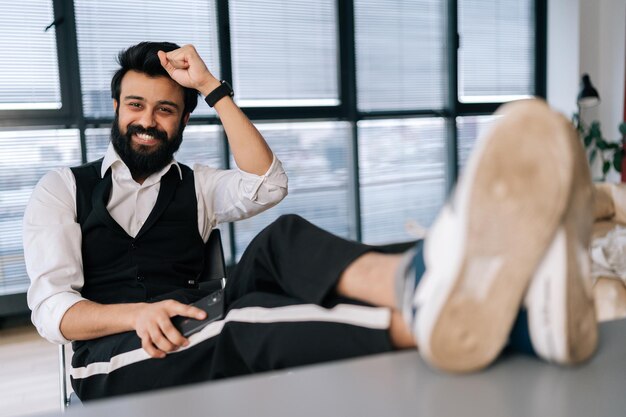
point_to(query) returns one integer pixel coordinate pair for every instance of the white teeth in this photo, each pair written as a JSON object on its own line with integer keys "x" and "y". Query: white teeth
{"x": 144, "y": 136}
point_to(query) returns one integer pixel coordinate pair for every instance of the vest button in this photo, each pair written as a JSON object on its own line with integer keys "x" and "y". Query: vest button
{"x": 133, "y": 245}
{"x": 140, "y": 278}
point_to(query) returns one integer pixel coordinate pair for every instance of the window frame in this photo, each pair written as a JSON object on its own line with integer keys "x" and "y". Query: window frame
{"x": 71, "y": 113}
{"x": 65, "y": 115}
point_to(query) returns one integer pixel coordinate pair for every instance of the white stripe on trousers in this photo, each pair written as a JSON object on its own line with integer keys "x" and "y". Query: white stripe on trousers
{"x": 369, "y": 317}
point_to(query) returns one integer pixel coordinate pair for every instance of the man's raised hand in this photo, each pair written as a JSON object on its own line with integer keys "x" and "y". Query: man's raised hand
{"x": 186, "y": 67}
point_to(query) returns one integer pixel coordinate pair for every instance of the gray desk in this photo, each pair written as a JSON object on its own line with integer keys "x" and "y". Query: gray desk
{"x": 400, "y": 384}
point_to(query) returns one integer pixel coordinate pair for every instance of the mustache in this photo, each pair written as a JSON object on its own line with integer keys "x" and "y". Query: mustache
{"x": 152, "y": 131}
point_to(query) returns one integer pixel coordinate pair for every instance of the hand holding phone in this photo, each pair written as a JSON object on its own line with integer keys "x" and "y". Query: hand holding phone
{"x": 213, "y": 304}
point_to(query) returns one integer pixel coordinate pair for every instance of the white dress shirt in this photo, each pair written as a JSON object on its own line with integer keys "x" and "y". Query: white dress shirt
{"x": 52, "y": 236}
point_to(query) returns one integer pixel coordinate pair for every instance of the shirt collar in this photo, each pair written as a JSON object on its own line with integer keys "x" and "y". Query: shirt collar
{"x": 111, "y": 158}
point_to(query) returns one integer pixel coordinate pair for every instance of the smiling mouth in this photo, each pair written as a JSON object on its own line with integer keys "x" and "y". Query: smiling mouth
{"x": 144, "y": 139}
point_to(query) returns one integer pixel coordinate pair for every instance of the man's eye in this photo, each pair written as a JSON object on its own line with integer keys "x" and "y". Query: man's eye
{"x": 137, "y": 105}
{"x": 166, "y": 110}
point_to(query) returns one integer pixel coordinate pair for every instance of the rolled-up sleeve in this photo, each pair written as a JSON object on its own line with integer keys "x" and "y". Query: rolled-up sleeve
{"x": 230, "y": 195}
{"x": 52, "y": 253}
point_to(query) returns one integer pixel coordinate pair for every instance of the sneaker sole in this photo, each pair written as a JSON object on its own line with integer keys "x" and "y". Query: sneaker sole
{"x": 560, "y": 303}
{"x": 519, "y": 186}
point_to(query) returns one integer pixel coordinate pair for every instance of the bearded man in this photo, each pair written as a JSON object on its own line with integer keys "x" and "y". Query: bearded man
{"x": 130, "y": 227}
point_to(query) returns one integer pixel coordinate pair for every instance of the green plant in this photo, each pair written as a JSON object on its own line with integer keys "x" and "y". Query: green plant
{"x": 597, "y": 146}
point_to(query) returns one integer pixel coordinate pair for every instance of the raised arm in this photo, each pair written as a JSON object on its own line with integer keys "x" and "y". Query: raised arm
{"x": 250, "y": 150}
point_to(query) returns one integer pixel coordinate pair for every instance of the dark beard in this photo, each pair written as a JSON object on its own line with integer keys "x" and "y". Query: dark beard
{"x": 146, "y": 160}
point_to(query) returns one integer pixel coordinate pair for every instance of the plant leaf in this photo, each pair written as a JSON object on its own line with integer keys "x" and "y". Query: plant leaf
{"x": 622, "y": 128}
{"x": 605, "y": 167}
{"x": 601, "y": 144}
{"x": 587, "y": 140}
{"x": 617, "y": 161}
{"x": 592, "y": 156}
{"x": 594, "y": 130}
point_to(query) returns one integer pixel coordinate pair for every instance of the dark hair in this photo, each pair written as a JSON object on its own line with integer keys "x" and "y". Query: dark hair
{"x": 143, "y": 58}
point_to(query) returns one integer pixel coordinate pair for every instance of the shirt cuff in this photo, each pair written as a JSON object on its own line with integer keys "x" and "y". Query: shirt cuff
{"x": 48, "y": 316}
{"x": 262, "y": 188}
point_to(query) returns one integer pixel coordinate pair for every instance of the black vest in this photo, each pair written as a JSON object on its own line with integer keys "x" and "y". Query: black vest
{"x": 165, "y": 258}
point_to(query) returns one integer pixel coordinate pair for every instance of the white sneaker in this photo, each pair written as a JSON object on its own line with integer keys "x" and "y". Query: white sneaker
{"x": 487, "y": 242}
{"x": 560, "y": 305}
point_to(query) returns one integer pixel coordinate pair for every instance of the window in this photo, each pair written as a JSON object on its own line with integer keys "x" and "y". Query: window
{"x": 402, "y": 185}
{"x": 25, "y": 156}
{"x": 500, "y": 33}
{"x": 315, "y": 156}
{"x": 104, "y": 28}
{"x": 470, "y": 129}
{"x": 29, "y": 72}
{"x": 284, "y": 53}
{"x": 205, "y": 145}
{"x": 354, "y": 97}
{"x": 400, "y": 54}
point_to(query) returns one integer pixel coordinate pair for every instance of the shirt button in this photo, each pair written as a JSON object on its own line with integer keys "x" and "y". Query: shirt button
{"x": 140, "y": 278}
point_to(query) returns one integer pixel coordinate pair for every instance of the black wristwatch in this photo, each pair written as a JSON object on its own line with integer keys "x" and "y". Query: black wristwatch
{"x": 219, "y": 93}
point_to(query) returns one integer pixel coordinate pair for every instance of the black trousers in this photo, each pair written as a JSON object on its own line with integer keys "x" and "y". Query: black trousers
{"x": 282, "y": 311}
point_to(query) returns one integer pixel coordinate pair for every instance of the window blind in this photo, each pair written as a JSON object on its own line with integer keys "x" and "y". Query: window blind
{"x": 104, "y": 28}
{"x": 204, "y": 145}
{"x": 25, "y": 156}
{"x": 401, "y": 59}
{"x": 402, "y": 176}
{"x": 284, "y": 53}
{"x": 496, "y": 58}
{"x": 29, "y": 71}
{"x": 315, "y": 156}
{"x": 469, "y": 130}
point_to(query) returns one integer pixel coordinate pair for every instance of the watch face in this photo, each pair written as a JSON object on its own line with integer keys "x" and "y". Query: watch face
{"x": 230, "y": 88}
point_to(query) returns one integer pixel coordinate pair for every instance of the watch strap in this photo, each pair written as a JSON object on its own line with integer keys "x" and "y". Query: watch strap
{"x": 223, "y": 90}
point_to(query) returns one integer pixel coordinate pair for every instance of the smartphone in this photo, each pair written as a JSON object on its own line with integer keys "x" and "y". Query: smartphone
{"x": 213, "y": 304}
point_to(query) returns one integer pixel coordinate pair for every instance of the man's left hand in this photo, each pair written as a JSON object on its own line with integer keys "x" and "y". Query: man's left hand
{"x": 186, "y": 67}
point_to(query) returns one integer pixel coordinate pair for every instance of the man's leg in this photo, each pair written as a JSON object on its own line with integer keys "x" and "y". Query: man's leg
{"x": 520, "y": 217}
{"x": 381, "y": 279}
{"x": 293, "y": 257}
{"x": 518, "y": 196}
{"x": 271, "y": 331}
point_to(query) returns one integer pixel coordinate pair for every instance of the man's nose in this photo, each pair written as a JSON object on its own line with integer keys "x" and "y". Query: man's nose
{"x": 147, "y": 119}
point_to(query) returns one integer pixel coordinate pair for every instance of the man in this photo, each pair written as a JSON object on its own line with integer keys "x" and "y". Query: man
{"x": 152, "y": 108}
{"x": 505, "y": 262}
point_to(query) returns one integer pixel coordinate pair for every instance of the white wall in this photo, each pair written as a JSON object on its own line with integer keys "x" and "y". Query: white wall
{"x": 603, "y": 56}
{"x": 589, "y": 50}
{"x": 612, "y": 61}
{"x": 563, "y": 54}
{"x": 588, "y": 36}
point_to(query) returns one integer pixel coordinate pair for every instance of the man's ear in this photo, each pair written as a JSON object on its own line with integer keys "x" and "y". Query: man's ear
{"x": 115, "y": 105}
{"x": 186, "y": 118}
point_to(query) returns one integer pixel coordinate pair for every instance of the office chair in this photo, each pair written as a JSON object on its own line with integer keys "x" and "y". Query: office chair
{"x": 213, "y": 277}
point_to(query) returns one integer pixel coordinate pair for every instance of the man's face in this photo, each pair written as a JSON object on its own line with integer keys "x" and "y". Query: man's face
{"x": 149, "y": 122}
